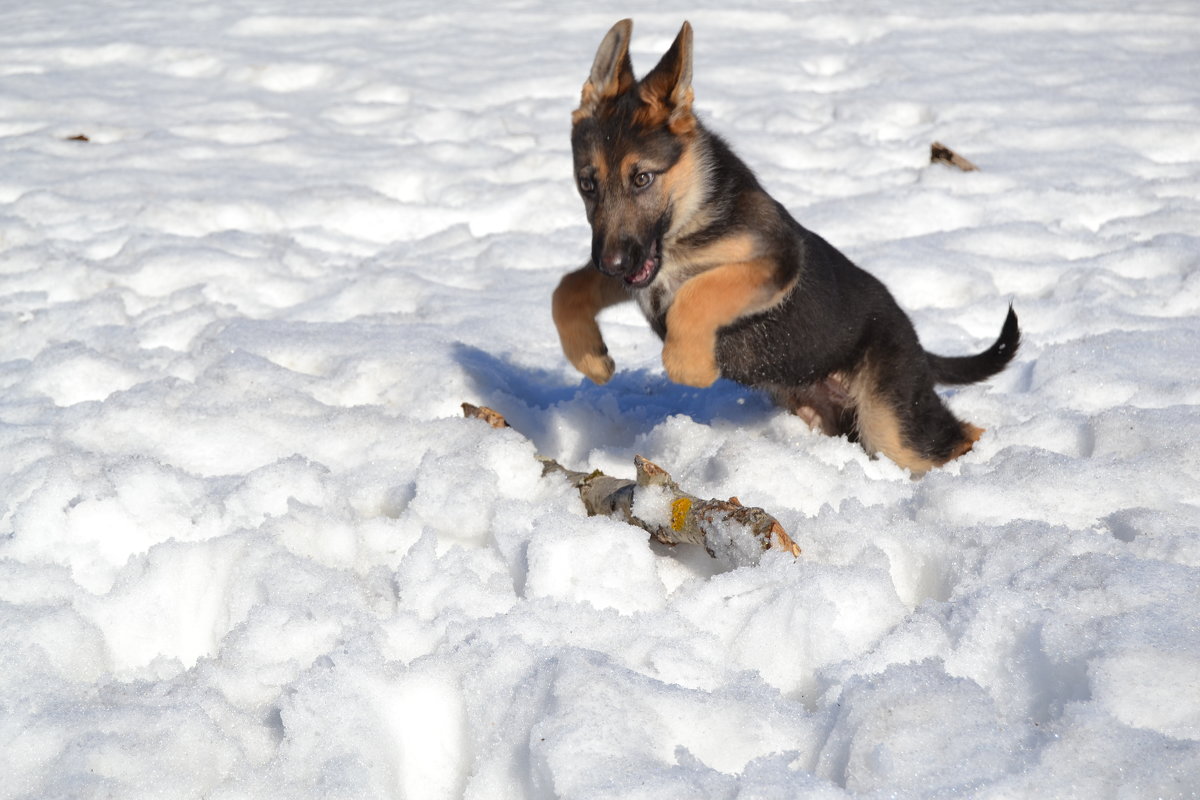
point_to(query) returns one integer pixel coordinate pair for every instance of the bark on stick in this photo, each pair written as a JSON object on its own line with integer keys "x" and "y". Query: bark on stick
{"x": 940, "y": 154}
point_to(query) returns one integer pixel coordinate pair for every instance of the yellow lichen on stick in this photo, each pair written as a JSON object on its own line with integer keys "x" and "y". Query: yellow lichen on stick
{"x": 679, "y": 512}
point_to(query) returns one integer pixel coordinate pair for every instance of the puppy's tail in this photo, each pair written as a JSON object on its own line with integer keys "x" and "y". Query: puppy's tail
{"x": 969, "y": 369}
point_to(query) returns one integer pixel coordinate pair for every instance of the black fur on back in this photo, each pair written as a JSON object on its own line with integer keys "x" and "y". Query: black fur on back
{"x": 838, "y": 324}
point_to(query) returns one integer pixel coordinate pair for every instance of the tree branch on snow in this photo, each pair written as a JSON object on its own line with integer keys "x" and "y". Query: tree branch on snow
{"x": 940, "y": 154}
{"x": 653, "y": 502}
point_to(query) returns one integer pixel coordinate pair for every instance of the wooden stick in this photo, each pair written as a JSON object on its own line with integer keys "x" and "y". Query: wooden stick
{"x": 940, "y": 154}
{"x": 727, "y": 529}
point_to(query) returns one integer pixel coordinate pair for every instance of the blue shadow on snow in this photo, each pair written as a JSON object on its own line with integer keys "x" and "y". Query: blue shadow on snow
{"x": 639, "y": 399}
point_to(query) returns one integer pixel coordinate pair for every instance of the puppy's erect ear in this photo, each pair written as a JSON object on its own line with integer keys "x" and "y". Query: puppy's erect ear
{"x": 612, "y": 71}
{"x": 666, "y": 92}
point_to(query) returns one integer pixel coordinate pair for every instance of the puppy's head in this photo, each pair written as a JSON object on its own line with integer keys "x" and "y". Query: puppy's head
{"x": 632, "y": 143}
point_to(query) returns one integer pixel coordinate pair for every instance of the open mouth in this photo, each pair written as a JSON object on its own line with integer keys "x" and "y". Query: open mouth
{"x": 649, "y": 268}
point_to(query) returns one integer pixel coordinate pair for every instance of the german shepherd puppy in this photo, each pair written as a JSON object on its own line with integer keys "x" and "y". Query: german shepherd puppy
{"x": 733, "y": 285}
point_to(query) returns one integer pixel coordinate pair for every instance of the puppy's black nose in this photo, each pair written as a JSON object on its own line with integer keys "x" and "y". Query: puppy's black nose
{"x": 612, "y": 263}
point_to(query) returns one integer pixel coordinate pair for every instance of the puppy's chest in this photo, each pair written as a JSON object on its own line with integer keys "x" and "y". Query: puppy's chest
{"x": 655, "y": 300}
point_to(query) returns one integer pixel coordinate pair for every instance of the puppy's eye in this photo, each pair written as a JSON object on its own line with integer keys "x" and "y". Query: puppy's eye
{"x": 586, "y": 185}
{"x": 643, "y": 179}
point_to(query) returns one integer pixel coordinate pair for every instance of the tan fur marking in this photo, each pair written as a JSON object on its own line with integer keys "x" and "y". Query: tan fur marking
{"x": 686, "y": 184}
{"x": 580, "y": 296}
{"x": 666, "y": 93}
{"x": 591, "y": 97}
{"x": 879, "y": 427}
{"x": 971, "y": 434}
{"x": 611, "y": 72}
{"x": 587, "y": 105}
{"x": 601, "y": 164}
{"x": 628, "y": 163}
{"x": 732, "y": 249}
{"x": 880, "y": 432}
{"x": 654, "y": 113}
{"x": 706, "y": 303}
{"x": 651, "y": 113}
{"x": 683, "y": 122}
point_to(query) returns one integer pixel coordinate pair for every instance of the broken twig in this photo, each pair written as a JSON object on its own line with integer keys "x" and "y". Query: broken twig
{"x": 653, "y": 502}
{"x": 940, "y": 154}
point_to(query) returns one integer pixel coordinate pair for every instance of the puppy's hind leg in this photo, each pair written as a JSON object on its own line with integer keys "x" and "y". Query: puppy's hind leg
{"x": 825, "y": 405}
{"x": 902, "y": 417}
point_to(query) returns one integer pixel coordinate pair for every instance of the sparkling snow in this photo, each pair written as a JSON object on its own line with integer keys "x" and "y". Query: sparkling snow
{"x": 253, "y": 256}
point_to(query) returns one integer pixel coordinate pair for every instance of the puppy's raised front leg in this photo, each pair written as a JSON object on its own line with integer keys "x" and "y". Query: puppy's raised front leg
{"x": 580, "y": 296}
{"x": 706, "y": 303}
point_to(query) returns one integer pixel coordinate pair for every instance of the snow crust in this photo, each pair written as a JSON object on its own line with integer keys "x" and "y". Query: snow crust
{"x": 249, "y": 549}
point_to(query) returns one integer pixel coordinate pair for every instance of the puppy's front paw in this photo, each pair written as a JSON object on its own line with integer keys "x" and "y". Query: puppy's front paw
{"x": 597, "y": 367}
{"x": 690, "y": 365}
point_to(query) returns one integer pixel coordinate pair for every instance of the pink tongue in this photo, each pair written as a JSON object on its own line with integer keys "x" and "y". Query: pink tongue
{"x": 644, "y": 272}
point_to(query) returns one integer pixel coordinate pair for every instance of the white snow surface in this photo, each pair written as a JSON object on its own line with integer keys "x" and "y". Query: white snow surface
{"x": 250, "y": 549}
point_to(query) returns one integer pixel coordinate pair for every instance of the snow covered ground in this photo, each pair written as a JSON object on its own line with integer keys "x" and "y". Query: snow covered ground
{"x": 249, "y": 549}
